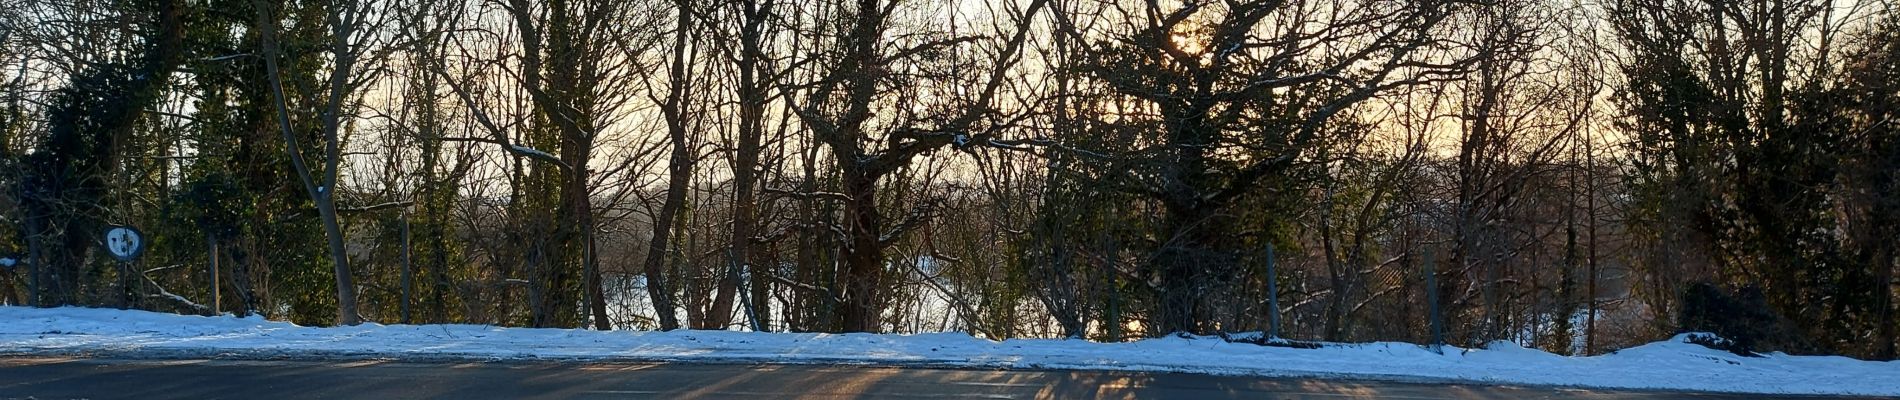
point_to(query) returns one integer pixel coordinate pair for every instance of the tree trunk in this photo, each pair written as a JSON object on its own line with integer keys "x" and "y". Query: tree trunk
{"x": 864, "y": 269}
{"x": 752, "y": 103}
{"x": 1181, "y": 265}
{"x": 1336, "y": 303}
{"x": 339, "y": 259}
{"x": 1590, "y": 258}
{"x": 1884, "y": 299}
{"x": 680, "y": 174}
{"x": 1188, "y": 232}
{"x": 581, "y": 207}
{"x": 319, "y": 185}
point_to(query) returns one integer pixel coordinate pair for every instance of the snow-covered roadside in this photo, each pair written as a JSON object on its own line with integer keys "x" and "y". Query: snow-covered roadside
{"x": 1663, "y": 365}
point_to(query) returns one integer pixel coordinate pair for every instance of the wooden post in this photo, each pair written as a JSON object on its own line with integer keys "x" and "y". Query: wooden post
{"x": 1431, "y": 297}
{"x": 1114, "y": 317}
{"x": 407, "y": 271}
{"x": 216, "y": 305}
{"x": 1273, "y": 297}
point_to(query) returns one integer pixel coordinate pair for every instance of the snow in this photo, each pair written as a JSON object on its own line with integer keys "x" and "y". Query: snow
{"x": 534, "y": 152}
{"x": 1670, "y": 364}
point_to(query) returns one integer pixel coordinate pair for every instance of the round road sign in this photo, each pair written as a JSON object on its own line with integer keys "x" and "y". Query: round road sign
{"x": 125, "y": 242}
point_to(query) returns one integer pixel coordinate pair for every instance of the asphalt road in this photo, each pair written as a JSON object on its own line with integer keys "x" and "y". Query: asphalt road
{"x": 65, "y": 378}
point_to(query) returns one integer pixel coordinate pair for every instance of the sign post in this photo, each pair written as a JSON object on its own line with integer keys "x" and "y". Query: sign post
{"x": 126, "y": 244}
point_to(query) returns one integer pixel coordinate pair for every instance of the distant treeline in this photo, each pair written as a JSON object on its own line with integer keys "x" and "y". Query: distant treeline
{"x": 1573, "y": 176}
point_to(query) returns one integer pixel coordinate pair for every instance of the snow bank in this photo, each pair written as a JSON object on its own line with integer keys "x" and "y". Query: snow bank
{"x": 1670, "y": 364}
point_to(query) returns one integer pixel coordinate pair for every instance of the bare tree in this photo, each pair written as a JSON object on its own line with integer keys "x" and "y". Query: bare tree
{"x": 679, "y": 166}
{"x": 349, "y": 38}
{"x": 840, "y": 110}
{"x": 1261, "y": 78}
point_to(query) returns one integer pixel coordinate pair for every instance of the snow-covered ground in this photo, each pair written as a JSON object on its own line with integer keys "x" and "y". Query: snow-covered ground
{"x": 1663, "y": 365}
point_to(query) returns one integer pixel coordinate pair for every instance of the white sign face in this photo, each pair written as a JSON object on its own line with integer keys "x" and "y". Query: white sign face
{"x": 8, "y": 262}
{"x": 124, "y": 242}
